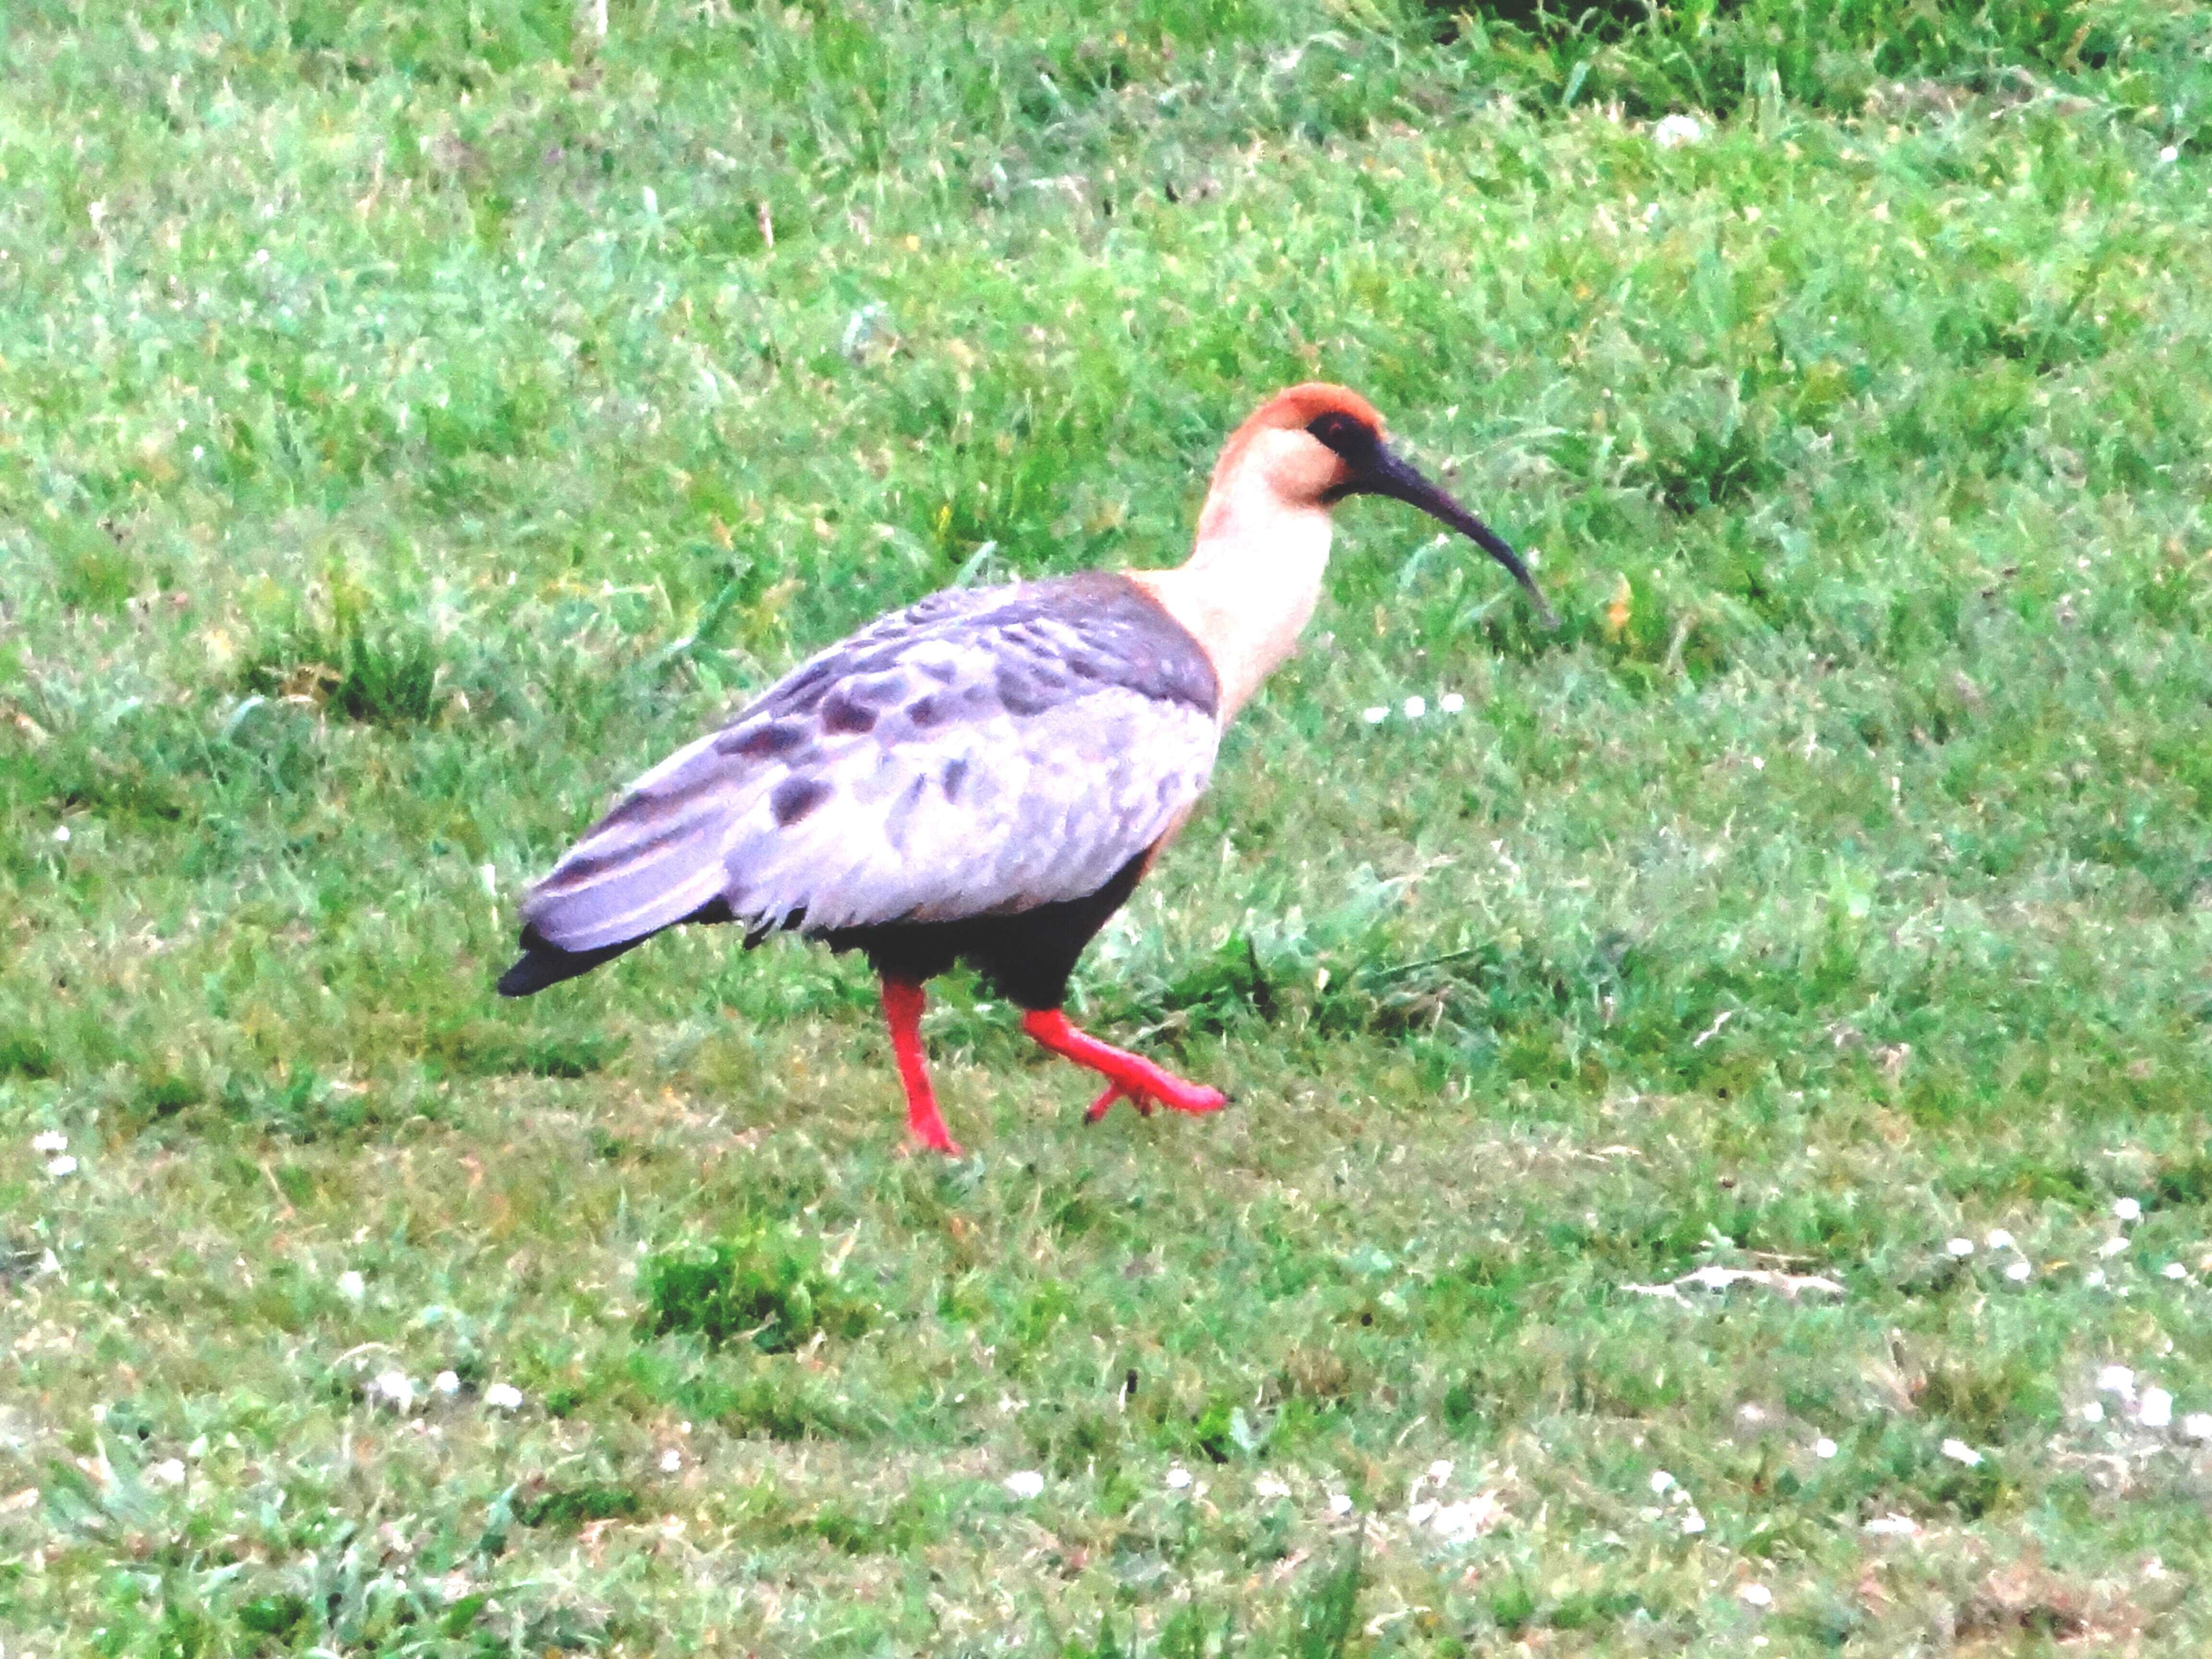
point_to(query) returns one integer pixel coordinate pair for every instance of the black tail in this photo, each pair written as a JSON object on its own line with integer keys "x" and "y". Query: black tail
{"x": 541, "y": 965}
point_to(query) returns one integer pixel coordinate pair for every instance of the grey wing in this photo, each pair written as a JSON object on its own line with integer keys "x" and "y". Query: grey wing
{"x": 976, "y": 754}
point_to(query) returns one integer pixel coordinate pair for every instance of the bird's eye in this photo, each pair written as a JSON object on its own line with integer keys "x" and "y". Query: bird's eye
{"x": 1341, "y": 433}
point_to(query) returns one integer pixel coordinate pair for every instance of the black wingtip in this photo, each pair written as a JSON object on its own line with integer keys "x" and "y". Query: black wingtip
{"x": 533, "y": 972}
{"x": 541, "y": 965}
{"x": 518, "y": 980}
{"x": 543, "y": 962}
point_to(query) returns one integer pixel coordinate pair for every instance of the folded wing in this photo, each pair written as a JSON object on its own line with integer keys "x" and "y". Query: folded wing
{"x": 985, "y": 751}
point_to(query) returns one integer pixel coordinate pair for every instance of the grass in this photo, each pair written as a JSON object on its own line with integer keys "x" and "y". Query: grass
{"x": 414, "y": 419}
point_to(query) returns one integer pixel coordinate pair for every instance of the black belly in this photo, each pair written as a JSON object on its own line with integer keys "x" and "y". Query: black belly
{"x": 1028, "y": 955}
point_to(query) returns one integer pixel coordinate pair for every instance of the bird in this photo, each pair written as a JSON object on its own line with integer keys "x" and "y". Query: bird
{"x": 985, "y": 775}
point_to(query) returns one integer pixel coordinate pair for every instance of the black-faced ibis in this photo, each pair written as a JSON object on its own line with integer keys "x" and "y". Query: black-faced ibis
{"x": 986, "y": 775}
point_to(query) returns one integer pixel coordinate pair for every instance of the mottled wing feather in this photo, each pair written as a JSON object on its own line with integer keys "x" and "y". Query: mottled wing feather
{"x": 983, "y": 751}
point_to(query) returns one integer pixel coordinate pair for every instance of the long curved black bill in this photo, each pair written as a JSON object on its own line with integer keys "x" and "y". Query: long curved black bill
{"x": 1388, "y": 474}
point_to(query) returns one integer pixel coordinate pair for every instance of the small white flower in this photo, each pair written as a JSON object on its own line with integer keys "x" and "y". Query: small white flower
{"x": 169, "y": 1472}
{"x": 672, "y": 1460}
{"x": 2094, "y": 1278}
{"x": 1340, "y": 1504}
{"x": 1178, "y": 1478}
{"x": 1960, "y": 1452}
{"x": 394, "y": 1389}
{"x": 1676, "y": 131}
{"x": 2198, "y": 1425}
{"x": 488, "y": 874}
{"x": 2115, "y": 1379}
{"x": 2169, "y": 156}
{"x": 49, "y": 1140}
{"x": 2157, "y": 1408}
{"x": 1268, "y": 1485}
{"x": 198, "y": 1448}
{"x": 1891, "y": 1525}
{"x": 2019, "y": 1271}
{"x": 1024, "y": 1484}
{"x": 1440, "y": 1471}
{"x": 64, "y": 1165}
{"x": 651, "y": 199}
{"x": 1451, "y": 703}
{"x": 2174, "y": 1270}
{"x": 1756, "y": 1595}
{"x": 1999, "y": 1239}
{"x": 1376, "y": 715}
{"x": 2093, "y": 1412}
{"x": 447, "y": 1383}
{"x": 1416, "y": 708}
{"x": 1692, "y": 1524}
{"x": 2127, "y": 1209}
{"x": 2112, "y": 1246}
{"x": 351, "y": 1286}
{"x": 1456, "y": 1524}
{"x": 1824, "y": 1448}
{"x": 1961, "y": 1247}
{"x": 1661, "y": 1481}
{"x": 505, "y": 1396}
{"x": 61, "y": 834}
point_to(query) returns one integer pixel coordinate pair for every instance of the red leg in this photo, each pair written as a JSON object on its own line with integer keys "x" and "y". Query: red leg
{"x": 902, "y": 1000}
{"x": 1128, "y": 1076}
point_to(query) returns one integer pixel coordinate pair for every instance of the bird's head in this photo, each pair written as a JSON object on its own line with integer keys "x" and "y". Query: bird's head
{"x": 1318, "y": 443}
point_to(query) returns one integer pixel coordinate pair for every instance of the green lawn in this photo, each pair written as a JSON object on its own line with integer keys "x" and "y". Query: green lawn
{"x": 415, "y": 418}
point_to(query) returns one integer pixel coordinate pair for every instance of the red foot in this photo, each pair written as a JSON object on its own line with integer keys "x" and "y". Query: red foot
{"x": 1130, "y": 1076}
{"x": 1113, "y": 1092}
{"x": 902, "y": 1002}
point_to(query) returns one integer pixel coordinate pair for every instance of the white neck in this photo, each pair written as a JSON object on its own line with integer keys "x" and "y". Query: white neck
{"x": 1251, "y": 580}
